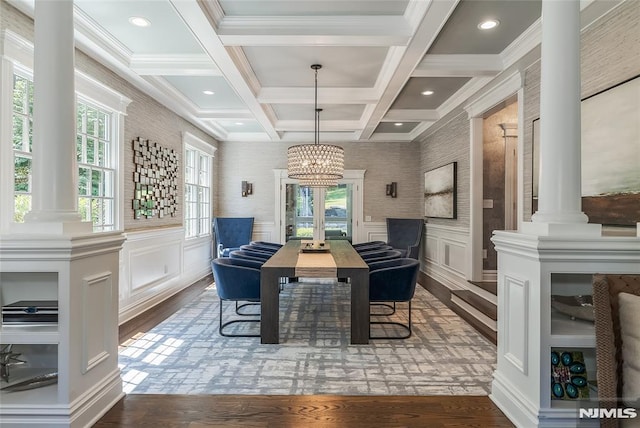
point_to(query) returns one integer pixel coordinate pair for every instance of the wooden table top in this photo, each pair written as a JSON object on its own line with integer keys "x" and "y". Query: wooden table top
{"x": 342, "y": 253}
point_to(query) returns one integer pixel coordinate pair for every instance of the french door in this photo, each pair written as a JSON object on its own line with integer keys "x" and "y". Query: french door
{"x": 319, "y": 213}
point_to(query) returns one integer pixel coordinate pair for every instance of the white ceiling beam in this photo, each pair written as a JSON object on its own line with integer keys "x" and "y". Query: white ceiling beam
{"x": 174, "y": 65}
{"x": 275, "y": 95}
{"x": 225, "y": 114}
{"x": 202, "y": 25}
{"x": 314, "y": 31}
{"x": 458, "y": 65}
{"x": 435, "y": 14}
{"x": 411, "y": 115}
{"x": 324, "y": 136}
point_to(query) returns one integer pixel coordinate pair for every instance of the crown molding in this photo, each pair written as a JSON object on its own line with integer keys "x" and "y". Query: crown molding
{"x": 242, "y": 63}
{"x": 503, "y": 90}
{"x": 395, "y": 115}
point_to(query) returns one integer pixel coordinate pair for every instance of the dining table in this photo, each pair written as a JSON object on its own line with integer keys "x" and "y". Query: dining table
{"x": 309, "y": 259}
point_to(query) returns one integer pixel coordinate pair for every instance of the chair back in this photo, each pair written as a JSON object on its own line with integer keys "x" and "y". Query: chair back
{"x": 381, "y": 256}
{"x": 260, "y": 248}
{"x": 273, "y": 245}
{"x": 244, "y": 255}
{"x": 405, "y": 234}
{"x": 236, "y": 279}
{"x": 232, "y": 232}
{"x": 393, "y": 280}
{"x": 609, "y": 355}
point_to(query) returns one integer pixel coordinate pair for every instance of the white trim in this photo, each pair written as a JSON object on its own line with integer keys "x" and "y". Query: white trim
{"x": 189, "y": 139}
{"x": 495, "y": 95}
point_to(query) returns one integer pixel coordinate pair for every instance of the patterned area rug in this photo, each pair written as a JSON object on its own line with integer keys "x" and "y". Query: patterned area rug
{"x": 186, "y": 355}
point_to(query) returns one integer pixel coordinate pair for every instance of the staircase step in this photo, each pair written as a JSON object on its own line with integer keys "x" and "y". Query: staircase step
{"x": 482, "y": 305}
{"x": 490, "y": 286}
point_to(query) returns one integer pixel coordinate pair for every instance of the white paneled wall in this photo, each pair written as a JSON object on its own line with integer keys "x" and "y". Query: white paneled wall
{"x": 445, "y": 254}
{"x": 157, "y": 264}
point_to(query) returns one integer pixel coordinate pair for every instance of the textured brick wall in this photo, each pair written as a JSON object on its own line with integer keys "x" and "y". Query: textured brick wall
{"x": 450, "y": 144}
{"x": 383, "y": 163}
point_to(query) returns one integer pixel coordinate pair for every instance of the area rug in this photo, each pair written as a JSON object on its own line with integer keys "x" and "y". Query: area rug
{"x": 186, "y": 355}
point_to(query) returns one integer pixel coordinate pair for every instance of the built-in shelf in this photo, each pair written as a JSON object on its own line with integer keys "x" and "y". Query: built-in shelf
{"x": 24, "y": 334}
{"x": 568, "y": 332}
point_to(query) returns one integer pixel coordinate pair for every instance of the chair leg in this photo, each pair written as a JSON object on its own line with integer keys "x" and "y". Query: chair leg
{"x": 406, "y": 327}
{"x": 221, "y": 326}
{"x": 386, "y": 305}
{"x": 244, "y": 305}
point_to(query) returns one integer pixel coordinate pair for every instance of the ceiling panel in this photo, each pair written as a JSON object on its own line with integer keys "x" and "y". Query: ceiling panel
{"x": 329, "y": 111}
{"x": 290, "y": 66}
{"x": 395, "y": 127}
{"x": 312, "y": 7}
{"x": 461, "y": 34}
{"x": 224, "y": 96}
{"x": 166, "y": 34}
{"x": 240, "y": 125}
{"x": 411, "y": 95}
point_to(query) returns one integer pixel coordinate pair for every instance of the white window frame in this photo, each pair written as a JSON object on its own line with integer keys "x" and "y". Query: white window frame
{"x": 191, "y": 142}
{"x": 17, "y": 53}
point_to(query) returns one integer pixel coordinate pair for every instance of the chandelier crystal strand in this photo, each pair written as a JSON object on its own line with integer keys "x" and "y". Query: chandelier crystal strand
{"x": 316, "y": 165}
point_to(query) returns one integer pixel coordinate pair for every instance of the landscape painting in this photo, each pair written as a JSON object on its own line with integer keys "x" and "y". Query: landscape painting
{"x": 440, "y": 192}
{"x": 610, "y": 141}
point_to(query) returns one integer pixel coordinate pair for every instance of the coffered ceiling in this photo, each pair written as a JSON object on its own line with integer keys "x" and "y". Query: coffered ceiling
{"x": 253, "y": 58}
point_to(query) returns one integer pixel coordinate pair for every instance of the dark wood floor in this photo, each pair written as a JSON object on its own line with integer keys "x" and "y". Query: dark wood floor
{"x": 303, "y": 411}
{"x": 281, "y": 411}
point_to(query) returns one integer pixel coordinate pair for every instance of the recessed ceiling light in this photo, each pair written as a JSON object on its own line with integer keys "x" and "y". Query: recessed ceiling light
{"x": 207, "y": 92}
{"x": 239, "y": 123}
{"x": 488, "y": 24}
{"x": 398, "y": 124}
{"x": 428, "y": 92}
{"x": 139, "y": 21}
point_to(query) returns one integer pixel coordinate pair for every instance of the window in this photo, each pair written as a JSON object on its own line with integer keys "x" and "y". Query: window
{"x": 197, "y": 194}
{"x": 22, "y": 118}
{"x": 96, "y": 166}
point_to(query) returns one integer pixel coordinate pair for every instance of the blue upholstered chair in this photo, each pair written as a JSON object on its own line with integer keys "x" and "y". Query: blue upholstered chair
{"x": 266, "y": 246}
{"x": 231, "y": 233}
{"x": 249, "y": 255}
{"x": 405, "y": 235}
{"x": 393, "y": 281}
{"x": 236, "y": 280}
{"x": 368, "y": 244}
{"x": 379, "y": 256}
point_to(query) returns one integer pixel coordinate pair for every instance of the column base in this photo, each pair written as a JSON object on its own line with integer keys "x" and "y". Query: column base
{"x": 561, "y": 229}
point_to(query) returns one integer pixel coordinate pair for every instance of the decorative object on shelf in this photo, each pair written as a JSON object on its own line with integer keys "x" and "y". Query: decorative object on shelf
{"x": 30, "y": 312}
{"x": 32, "y": 383}
{"x": 316, "y": 165}
{"x": 247, "y": 189}
{"x": 155, "y": 178}
{"x": 568, "y": 375}
{"x": 580, "y": 306}
{"x": 392, "y": 189}
{"x": 440, "y": 192}
{"x": 8, "y": 358}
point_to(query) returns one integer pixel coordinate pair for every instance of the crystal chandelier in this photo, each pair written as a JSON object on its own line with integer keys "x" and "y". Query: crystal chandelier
{"x": 316, "y": 165}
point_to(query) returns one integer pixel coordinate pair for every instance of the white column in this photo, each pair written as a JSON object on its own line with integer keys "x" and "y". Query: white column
{"x": 559, "y": 200}
{"x": 54, "y": 169}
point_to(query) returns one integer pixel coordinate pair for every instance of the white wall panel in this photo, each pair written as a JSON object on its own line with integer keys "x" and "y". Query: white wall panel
{"x": 444, "y": 255}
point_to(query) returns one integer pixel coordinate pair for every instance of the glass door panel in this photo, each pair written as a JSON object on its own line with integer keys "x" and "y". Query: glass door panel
{"x": 299, "y": 212}
{"x": 338, "y": 211}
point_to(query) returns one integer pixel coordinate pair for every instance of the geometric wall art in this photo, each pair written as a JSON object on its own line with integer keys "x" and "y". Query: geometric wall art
{"x": 155, "y": 177}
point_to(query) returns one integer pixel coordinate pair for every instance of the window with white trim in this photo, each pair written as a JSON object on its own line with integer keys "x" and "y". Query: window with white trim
{"x": 96, "y": 166}
{"x": 22, "y": 118}
{"x": 197, "y": 193}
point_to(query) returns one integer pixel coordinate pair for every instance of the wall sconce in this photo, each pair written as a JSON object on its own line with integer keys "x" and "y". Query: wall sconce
{"x": 392, "y": 189}
{"x": 247, "y": 189}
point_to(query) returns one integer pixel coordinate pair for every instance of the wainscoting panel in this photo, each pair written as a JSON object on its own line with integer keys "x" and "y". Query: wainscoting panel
{"x": 516, "y": 326}
{"x": 156, "y": 264}
{"x": 96, "y": 314}
{"x": 445, "y": 254}
{"x": 372, "y": 231}
{"x": 265, "y": 231}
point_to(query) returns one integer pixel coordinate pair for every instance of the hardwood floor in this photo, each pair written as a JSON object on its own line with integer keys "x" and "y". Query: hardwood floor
{"x": 193, "y": 411}
{"x": 303, "y": 411}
